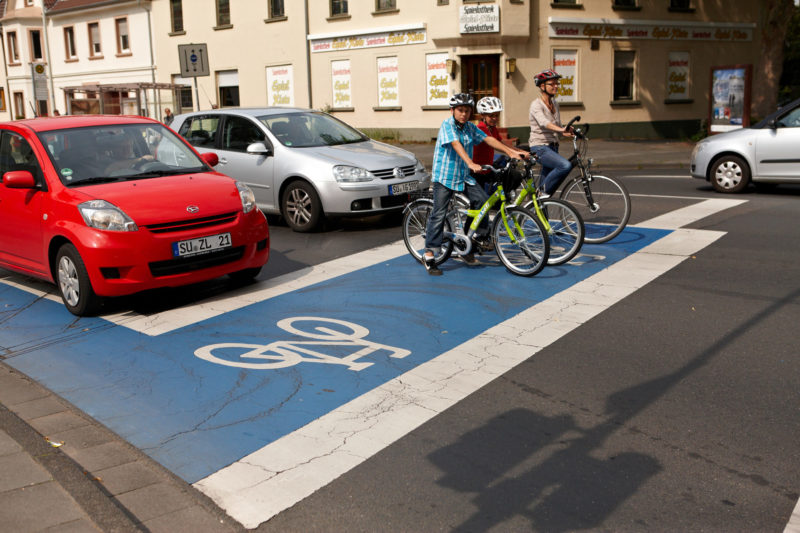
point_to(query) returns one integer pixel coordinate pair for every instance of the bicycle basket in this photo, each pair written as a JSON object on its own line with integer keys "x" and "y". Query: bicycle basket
{"x": 513, "y": 175}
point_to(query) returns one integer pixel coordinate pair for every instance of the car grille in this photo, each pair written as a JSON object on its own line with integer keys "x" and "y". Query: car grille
{"x": 193, "y": 223}
{"x": 181, "y": 265}
{"x": 388, "y": 173}
{"x": 394, "y": 201}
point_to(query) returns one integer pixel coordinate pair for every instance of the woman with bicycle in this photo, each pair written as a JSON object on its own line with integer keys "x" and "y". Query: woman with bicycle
{"x": 545, "y": 122}
{"x": 452, "y": 164}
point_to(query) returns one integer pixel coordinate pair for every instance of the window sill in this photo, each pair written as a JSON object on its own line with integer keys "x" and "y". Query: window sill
{"x": 343, "y": 16}
{"x": 625, "y": 103}
{"x": 435, "y": 107}
{"x": 124, "y": 54}
{"x": 626, "y": 8}
{"x": 570, "y": 104}
{"x": 388, "y": 108}
{"x": 558, "y": 5}
{"x": 15, "y": 64}
{"x": 71, "y": 60}
{"x": 98, "y": 56}
{"x": 276, "y": 19}
{"x": 681, "y": 9}
{"x": 385, "y": 11}
{"x": 680, "y": 101}
{"x": 223, "y": 27}
{"x": 175, "y": 33}
{"x": 342, "y": 109}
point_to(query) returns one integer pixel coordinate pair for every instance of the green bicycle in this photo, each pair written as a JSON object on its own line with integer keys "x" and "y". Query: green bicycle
{"x": 519, "y": 239}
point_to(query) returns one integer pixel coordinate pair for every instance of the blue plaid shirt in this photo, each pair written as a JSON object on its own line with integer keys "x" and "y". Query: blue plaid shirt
{"x": 448, "y": 168}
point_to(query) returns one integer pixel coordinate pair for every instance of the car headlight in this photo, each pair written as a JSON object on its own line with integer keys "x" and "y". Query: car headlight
{"x": 348, "y": 174}
{"x": 103, "y": 215}
{"x": 419, "y": 167}
{"x": 247, "y": 197}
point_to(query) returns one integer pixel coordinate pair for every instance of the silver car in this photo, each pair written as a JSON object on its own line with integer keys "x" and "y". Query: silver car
{"x": 305, "y": 164}
{"x": 765, "y": 153}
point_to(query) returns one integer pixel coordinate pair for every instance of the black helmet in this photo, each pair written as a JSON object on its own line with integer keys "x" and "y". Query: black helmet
{"x": 461, "y": 99}
{"x": 546, "y": 75}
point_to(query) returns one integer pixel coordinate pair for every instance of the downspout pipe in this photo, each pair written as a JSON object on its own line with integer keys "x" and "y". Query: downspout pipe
{"x": 308, "y": 61}
{"x": 49, "y": 63}
{"x": 152, "y": 59}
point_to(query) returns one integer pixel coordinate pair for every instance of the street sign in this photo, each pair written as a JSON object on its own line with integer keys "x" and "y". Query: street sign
{"x": 193, "y": 59}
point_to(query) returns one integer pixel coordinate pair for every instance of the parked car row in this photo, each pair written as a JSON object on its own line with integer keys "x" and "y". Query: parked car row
{"x": 107, "y": 206}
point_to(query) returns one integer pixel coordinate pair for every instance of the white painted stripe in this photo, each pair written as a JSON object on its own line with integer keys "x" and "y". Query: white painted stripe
{"x": 272, "y": 479}
{"x": 794, "y": 521}
{"x": 687, "y": 215}
{"x": 657, "y": 176}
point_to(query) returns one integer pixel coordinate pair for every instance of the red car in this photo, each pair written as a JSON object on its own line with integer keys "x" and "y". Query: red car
{"x": 108, "y": 206}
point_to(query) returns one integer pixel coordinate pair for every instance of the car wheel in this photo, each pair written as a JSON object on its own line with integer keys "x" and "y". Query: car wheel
{"x": 73, "y": 282}
{"x": 730, "y": 173}
{"x": 301, "y": 207}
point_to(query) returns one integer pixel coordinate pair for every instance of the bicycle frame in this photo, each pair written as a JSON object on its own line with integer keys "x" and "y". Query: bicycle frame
{"x": 477, "y": 217}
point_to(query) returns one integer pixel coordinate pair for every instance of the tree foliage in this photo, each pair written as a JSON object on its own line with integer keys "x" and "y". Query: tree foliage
{"x": 775, "y": 18}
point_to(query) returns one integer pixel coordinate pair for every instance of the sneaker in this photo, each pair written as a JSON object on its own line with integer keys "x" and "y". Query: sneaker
{"x": 430, "y": 265}
{"x": 469, "y": 259}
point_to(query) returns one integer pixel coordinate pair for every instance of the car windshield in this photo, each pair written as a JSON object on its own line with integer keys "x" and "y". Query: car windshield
{"x": 97, "y": 154}
{"x": 301, "y": 130}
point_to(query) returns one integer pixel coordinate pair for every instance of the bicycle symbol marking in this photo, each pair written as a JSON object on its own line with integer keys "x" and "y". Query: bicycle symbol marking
{"x": 282, "y": 354}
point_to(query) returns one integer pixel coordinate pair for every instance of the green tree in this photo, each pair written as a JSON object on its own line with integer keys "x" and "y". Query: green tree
{"x": 775, "y": 17}
{"x": 790, "y": 79}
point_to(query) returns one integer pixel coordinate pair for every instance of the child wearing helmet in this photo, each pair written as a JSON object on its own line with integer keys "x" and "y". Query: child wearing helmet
{"x": 545, "y": 122}
{"x": 452, "y": 164}
{"x": 489, "y": 107}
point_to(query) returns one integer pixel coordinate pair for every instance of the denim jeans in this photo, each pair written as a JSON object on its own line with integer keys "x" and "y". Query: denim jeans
{"x": 441, "y": 199}
{"x": 554, "y": 167}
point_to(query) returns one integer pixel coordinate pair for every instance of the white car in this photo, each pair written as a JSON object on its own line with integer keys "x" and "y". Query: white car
{"x": 768, "y": 152}
{"x": 305, "y": 164}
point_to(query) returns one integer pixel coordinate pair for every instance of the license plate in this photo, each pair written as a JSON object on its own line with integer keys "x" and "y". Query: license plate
{"x": 201, "y": 245}
{"x": 402, "y": 188}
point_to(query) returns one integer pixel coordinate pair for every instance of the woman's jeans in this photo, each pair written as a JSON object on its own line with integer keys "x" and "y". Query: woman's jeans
{"x": 554, "y": 167}
{"x": 441, "y": 199}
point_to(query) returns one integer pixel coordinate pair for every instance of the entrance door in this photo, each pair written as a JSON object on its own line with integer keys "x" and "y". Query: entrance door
{"x": 480, "y": 75}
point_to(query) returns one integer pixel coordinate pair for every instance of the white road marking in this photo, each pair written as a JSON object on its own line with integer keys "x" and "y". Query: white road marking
{"x": 794, "y": 521}
{"x": 272, "y": 479}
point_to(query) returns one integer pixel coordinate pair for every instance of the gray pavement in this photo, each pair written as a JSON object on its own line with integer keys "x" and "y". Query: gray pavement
{"x": 62, "y": 471}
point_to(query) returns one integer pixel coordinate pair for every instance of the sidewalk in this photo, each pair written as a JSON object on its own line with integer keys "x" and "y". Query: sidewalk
{"x": 606, "y": 153}
{"x": 64, "y": 472}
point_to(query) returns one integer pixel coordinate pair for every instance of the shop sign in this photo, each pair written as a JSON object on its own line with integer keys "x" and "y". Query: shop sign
{"x": 480, "y": 19}
{"x": 438, "y": 90}
{"x": 370, "y": 40}
{"x": 280, "y": 85}
{"x": 340, "y": 78}
{"x": 661, "y": 31}
{"x": 678, "y": 76}
{"x": 388, "y": 82}
{"x": 565, "y": 62}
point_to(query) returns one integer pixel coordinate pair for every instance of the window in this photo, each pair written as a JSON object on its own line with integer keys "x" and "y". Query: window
{"x": 565, "y": 2}
{"x": 176, "y": 10}
{"x": 28, "y": 3}
{"x": 123, "y": 37}
{"x": 95, "y": 49}
{"x": 624, "y": 62}
{"x": 19, "y": 105}
{"x": 223, "y": 13}
{"x": 627, "y": 5}
{"x": 442, "y": 2}
{"x": 13, "y": 50}
{"x": 276, "y": 9}
{"x": 16, "y": 154}
{"x": 385, "y": 5}
{"x": 228, "y": 83}
{"x": 338, "y": 7}
{"x": 238, "y": 133}
{"x": 36, "y": 44}
{"x": 2, "y": 98}
{"x": 69, "y": 42}
{"x": 183, "y": 95}
{"x": 200, "y": 130}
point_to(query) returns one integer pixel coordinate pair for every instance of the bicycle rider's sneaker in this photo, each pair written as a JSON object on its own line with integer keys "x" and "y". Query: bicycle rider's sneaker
{"x": 483, "y": 243}
{"x": 430, "y": 265}
{"x": 470, "y": 259}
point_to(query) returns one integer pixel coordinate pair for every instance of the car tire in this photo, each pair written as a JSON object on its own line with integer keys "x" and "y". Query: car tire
{"x": 730, "y": 174}
{"x": 301, "y": 207}
{"x": 245, "y": 275}
{"x": 74, "y": 284}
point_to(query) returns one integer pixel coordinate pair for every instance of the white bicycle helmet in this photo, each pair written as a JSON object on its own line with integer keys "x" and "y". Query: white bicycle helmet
{"x": 489, "y": 104}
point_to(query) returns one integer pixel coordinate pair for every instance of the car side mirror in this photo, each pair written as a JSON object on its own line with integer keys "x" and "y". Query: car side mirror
{"x": 210, "y": 158}
{"x": 19, "y": 179}
{"x": 258, "y": 148}
{"x": 773, "y": 124}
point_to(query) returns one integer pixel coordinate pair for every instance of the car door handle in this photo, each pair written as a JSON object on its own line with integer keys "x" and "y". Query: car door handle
{"x": 222, "y": 160}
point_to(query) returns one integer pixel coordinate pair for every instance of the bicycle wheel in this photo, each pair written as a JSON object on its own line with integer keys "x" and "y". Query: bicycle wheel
{"x": 415, "y": 223}
{"x": 610, "y": 210}
{"x": 566, "y": 229}
{"x": 523, "y": 246}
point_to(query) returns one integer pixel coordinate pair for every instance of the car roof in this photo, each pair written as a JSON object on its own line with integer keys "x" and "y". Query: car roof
{"x": 249, "y": 111}
{"x": 78, "y": 121}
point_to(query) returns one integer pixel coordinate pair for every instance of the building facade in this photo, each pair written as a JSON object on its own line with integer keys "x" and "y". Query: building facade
{"x": 632, "y": 68}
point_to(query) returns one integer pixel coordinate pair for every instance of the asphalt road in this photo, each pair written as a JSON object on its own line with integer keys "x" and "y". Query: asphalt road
{"x": 674, "y": 410}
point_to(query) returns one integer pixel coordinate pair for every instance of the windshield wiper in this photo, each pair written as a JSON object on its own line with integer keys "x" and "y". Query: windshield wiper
{"x": 93, "y": 180}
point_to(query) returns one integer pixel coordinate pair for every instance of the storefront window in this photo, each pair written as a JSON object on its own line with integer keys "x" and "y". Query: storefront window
{"x": 624, "y": 62}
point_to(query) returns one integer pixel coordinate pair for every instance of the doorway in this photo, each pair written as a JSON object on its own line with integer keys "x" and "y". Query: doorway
{"x": 480, "y": 75}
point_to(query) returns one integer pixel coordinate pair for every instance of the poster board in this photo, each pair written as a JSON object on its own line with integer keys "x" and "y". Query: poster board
{"x": 729, "y": 101}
